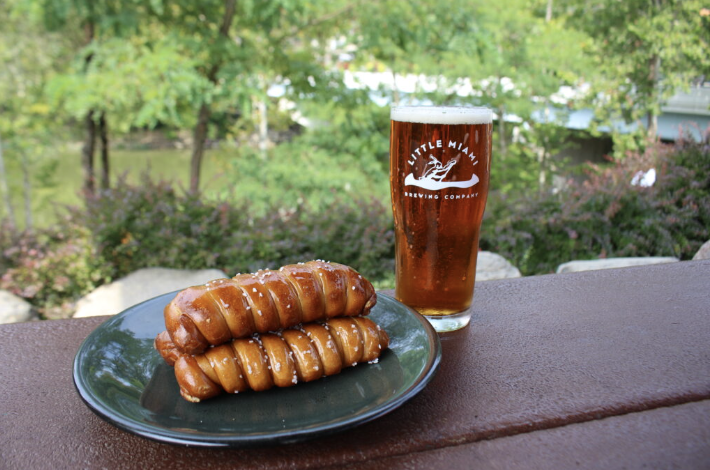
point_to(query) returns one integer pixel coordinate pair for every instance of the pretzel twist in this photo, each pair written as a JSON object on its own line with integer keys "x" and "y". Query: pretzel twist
{"x": 313, "y": 351}
{"x": 224, "y": 309}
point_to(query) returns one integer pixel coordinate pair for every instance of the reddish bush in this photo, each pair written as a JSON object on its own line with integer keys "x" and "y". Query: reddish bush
{"x": 608, "y": 216}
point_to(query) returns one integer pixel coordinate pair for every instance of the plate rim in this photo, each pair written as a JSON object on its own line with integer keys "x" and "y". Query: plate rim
{"x": 239, "y": 440}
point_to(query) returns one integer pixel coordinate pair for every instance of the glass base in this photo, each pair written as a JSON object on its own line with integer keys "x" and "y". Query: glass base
{"x": 444, "y": 323}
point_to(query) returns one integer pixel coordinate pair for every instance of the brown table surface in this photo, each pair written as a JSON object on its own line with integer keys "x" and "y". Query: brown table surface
{"x": 599, "y": 369}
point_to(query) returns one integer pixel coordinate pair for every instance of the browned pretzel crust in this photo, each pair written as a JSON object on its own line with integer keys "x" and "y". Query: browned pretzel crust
{"x": 282, "y": 359}
{"x": 224, "y": 309}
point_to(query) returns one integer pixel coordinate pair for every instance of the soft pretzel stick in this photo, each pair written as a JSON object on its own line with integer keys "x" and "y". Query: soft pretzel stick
{"x": 166, "y": 348}
{"x": 209, "y": 315}
{"x": 295, "y": 355}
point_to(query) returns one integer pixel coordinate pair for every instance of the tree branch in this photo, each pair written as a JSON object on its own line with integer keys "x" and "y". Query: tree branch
{"x": 201, "y": 128}
{"x": 230, "y": 7}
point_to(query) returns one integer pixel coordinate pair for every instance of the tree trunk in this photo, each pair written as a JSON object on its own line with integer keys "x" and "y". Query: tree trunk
{"x": 653, "y": 76}
{"x": 6, "y": 191}
{"x": 548, "y": 11}
{"x": 87, "y": 151}
{"x": 263, "y": 127}
{"x": 198, "y": 150}
{"x": 542, "y": 152}
{"x": 201, "y": 128}
{"x": 87, "y": 154}
{"x": 652, "y": 126}
{"x": 542, "y": 172}
{"x": 27, "y": 192}
{"x": 105, "y": 168}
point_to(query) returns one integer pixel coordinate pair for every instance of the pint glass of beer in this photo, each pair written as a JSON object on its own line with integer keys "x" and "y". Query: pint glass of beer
{"x": 440, "y": 161}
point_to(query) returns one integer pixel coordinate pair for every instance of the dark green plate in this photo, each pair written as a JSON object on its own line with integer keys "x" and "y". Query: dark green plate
{"x": 125, "y": 381}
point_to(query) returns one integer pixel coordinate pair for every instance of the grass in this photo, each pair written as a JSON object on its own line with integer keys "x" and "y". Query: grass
{"x": 63, "y": 184}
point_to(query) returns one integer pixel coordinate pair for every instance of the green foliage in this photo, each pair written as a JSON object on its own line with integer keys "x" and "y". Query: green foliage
{"x": 153, "y": 64}
{"x": 345, "y": 155}
{"x": 28, "y": 128}
{"x": 643, "y": 52}
{"x": 353, "y": 129}
{"x": 140, "y": 82}
{"x": 406, "y": 36}
{"x": 527, "y": 165}
{"x": 607, "y": 216}
{"x": 300, "y": 174}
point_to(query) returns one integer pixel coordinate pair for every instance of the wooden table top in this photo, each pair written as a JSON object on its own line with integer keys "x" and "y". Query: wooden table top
{"x": 599, "y": 369}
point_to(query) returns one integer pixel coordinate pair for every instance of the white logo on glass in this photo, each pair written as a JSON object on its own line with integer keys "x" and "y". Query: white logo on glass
{"x": 435, "y": 173}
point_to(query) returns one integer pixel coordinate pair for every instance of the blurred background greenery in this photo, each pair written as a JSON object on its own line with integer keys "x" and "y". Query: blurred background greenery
{"x": 238, "y": 133}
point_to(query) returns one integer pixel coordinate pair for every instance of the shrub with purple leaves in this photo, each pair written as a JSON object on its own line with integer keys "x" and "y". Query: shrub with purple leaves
{"x": 51, "y": 269}
{"x": 360, "y": 235}
{"x": 155, "y": 225}
{"x": 607, "y": 215}
{"x": 131, "y": 227}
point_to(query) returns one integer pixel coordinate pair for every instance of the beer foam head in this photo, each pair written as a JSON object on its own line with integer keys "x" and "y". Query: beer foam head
{"x": 442, "y": 114}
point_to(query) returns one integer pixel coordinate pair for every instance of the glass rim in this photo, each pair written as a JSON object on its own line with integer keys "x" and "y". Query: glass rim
{"x": 430, "y": 114}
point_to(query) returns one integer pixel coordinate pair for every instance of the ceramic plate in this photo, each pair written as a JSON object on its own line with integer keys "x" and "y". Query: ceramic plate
{"x": 125, "y": 381}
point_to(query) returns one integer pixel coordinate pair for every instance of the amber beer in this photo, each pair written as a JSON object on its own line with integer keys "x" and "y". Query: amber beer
{"x": 439, "y": 173}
